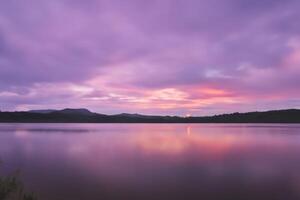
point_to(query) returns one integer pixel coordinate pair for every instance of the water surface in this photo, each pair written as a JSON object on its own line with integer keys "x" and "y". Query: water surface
{"x": 154, "y": 161}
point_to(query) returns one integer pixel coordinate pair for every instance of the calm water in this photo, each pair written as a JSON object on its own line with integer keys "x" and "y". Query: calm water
{"x": 159, "y": 162}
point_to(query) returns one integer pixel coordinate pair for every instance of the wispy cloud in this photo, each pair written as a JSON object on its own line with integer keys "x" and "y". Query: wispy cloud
{"x": 158, "y": 57}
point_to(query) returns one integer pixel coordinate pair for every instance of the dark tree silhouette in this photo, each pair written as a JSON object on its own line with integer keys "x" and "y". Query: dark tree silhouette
{"x": 85, "y": 116}
{"x": 11, "y": 188}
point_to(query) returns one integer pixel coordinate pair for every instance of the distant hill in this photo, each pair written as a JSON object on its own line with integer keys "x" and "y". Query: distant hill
{"x": 42, "y": 111}
{"x": 80, "y": 111}
{"x": 85, "y": 116}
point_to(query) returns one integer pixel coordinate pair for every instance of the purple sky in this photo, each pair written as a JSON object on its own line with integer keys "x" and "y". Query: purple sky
{"x": 178, "y": 57}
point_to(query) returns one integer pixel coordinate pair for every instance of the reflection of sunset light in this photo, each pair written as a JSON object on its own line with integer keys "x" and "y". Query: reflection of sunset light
{"x": 188, "y": 130}
{"x": 176, "y": 144}
{"x": 20, "y": 133}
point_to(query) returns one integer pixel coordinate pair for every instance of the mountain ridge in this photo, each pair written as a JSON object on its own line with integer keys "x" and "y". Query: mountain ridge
{"x": 83, "y": 115}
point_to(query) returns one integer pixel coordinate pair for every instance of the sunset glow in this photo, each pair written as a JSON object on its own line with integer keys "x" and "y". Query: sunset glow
{"x": 199, "y": 57}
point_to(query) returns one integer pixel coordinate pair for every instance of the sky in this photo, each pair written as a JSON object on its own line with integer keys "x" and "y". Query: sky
{"x": 169, "y": 57}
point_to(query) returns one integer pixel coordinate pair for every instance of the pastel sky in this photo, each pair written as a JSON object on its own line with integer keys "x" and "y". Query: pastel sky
{"x": 173, "y": 57}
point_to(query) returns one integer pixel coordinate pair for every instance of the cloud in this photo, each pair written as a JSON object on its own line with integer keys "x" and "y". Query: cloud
{"x": 136, "y": 48}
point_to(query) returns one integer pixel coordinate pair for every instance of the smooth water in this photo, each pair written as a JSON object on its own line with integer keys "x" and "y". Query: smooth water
{"x": 154, "y": 161}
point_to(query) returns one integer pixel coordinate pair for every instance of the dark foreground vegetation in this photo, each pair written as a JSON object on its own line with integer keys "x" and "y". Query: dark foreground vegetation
{"x": 11, "y": 188}
{"x": 85, "y": 116}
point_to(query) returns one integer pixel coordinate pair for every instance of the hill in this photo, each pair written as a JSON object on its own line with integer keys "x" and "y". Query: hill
{"x": 85, "y": 116}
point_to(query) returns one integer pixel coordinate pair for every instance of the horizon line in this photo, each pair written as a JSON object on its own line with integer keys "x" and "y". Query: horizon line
{"x": 183, "y": 116}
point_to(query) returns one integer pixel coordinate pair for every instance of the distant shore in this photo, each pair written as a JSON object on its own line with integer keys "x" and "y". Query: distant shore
{"x": 85, "y": 116}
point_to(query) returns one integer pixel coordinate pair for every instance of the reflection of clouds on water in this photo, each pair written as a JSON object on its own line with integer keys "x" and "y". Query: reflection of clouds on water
{"x": 21, "y": 133}
{"x": 216, "y": 150}
{"x": 54, "y": 130}
{"x": 78, "y": 149}
{"x": 178, "y": 144}
{"x": 155, "y": 158}
{"x": 25, "y": 129}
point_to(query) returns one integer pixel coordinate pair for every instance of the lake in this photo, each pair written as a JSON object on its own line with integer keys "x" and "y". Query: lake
{"x": 154, "y": 161}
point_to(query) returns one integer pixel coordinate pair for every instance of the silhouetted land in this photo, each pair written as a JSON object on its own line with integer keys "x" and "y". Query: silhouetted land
{"x": 85, "y": 116}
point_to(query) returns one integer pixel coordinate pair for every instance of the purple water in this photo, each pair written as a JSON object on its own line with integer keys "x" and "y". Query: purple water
{"x": 154, "y": 161}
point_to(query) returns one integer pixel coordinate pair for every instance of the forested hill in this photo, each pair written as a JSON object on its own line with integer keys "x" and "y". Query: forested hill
{"x": 85, "y": 116}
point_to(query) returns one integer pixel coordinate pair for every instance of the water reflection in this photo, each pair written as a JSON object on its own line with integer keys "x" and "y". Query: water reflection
{"x": 155, "y": 161}
{"x": 179, "y": 144}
